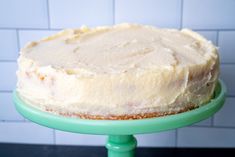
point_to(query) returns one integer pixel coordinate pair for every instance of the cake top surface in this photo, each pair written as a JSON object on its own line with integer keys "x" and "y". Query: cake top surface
{"x": 119, "y": 48}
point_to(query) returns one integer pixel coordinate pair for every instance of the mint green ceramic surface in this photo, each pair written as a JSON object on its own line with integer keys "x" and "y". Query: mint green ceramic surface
{"x": 121, "y": 142}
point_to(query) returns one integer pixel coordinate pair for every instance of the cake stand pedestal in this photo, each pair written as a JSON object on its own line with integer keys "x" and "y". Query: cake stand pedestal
{"x": 121, "y": 142}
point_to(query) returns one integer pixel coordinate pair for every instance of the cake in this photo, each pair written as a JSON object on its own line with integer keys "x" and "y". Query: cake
{"x": 125, "y": 71}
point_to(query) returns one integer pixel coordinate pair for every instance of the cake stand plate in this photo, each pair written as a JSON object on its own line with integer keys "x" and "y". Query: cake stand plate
{"x": 121, "y": 142}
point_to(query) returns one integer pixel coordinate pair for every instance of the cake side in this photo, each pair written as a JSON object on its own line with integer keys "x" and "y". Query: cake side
{"x": 143, "y": 72}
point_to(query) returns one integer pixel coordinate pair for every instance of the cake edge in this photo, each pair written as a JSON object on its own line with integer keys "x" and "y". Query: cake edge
{"x": 189, "y": 107}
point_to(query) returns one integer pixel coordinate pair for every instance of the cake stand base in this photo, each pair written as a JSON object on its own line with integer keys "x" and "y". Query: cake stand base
{"x": 121, "y": 145}
{"x": 121, "y": 142}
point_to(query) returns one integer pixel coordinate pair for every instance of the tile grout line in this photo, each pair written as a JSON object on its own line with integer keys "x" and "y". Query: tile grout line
{"x": 6, "y": 60}
{"x": 230, "y": 96}
{"x": 215, "y": 126}
{"x": 48, "y": 15}
{"x": 212, "y": 121}
{"x": 12, "y": 121}
{"x": 58, "y": 29}
{"x": 212, "y": 29}
{"x": 227, "y": 63}
{"x": 217, "y": 38}
{"x": 114, "y": 19}
{"x": 176, "y": 137}
{"x": 18, "y": 39}
{"x": 5, "y": 91}
{"x": 29, "y": 29}
{"x": 181, "y": 14}
{"x": 202, "y": 125}
{"x": 54, "y": 137}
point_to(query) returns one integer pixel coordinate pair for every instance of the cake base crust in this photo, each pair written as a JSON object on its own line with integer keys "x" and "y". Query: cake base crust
{"x": 123, "y": 117}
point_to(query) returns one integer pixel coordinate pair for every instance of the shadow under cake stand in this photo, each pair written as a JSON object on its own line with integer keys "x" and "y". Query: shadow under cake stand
{"x": 121, "y": 142}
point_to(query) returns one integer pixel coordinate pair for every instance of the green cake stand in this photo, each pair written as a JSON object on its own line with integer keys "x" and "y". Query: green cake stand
{"x": 121, "y": 142}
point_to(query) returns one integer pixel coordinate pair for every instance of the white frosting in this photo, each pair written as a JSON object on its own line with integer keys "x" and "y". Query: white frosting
{"x": 123, "y": 69}
{"x": 119, "y": 48}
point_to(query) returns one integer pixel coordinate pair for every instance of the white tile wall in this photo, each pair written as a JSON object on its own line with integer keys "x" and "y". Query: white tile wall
{"x": 25, "y": 132}
{"x": 23, "y": 14}
{"x": 228, "y": 75}
{"x": 210, "y": 35}
{"x": 227, "y": 46}
{"x": 209, "y": 14}
{"x": 74, "y": 13}
{"x": 153, "y": 140}
{"x": 79, "y": 139}
{"x": 162, "y": 13}
{"x": 8, "y": 75}
{"x": 26, "y": 20}
{"x": 7, "y": 108}
{"x": 163, "y": 139}
{"x": 206, "y": 122}
{"x": 206, "y": 137}
{"x": 8, "y": 45}
{"x": 33, "y": 35}
{"x": 226, "y": 117}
